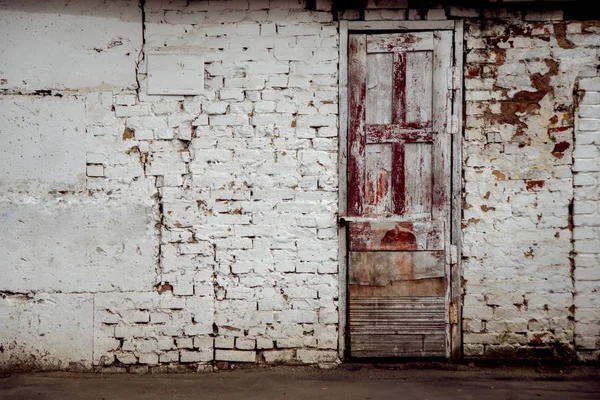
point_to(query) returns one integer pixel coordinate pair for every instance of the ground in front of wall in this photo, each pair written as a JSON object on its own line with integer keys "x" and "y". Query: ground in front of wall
{"x": 348, "y": 382}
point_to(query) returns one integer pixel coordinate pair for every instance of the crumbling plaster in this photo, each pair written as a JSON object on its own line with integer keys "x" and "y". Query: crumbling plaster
{"x": 519, "y": 272}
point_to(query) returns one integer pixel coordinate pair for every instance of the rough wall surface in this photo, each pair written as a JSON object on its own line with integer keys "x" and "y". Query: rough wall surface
{"x": 175, "y": 231}
{"x": 247, "y": 188}
{"x": 70, "y": 44}
{"x": 62, "y": 241}
{"x": 46, "y": 331}
{"x": 43, "y": 143}
{"x": 520, "y": 283}
{"x": 206, "y": 227}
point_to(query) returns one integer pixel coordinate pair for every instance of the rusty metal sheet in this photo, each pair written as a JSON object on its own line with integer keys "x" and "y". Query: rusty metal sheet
{"x": 396, "y": 236}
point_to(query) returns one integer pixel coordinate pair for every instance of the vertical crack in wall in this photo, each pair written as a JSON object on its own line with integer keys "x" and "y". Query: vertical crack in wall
{"x": 144, "y": 158}
{"x": 160, "y": 223}
{"x": 142, "y": 6}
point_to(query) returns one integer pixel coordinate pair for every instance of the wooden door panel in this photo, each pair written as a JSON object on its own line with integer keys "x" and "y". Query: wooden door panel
{"x": 433, "y": 287}
{"x": 418, "y": 178}
{"x": 398, "y": 170}
{"x": 379, "y": 268}
{"x": 380, "y": 67}
{"x": 424, "y": 314}
{"x": 419, "y": 89}
{"x": 357, "y": 91}
{"x": 393, "y": 100}
{"x": 378, "y": 180}
{"x": 396, "y": 236}
{"x": 399, "y": 89}
{"x": 367, "y": 345}
{"x": 397, "y": 134}
{"x": 393, "y": 42}
{"x": 398, "y": 178}
{"x": 396, "y": 274}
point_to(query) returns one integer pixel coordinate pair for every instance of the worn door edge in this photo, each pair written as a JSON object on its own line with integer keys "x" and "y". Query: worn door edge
{"x": 343, "y": 189}
{"x": 456, "y": 218}
{"x": 457, "y": 113}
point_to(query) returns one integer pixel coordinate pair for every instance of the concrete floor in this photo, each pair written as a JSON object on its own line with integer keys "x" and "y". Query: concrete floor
{"x": 347, "y": 382}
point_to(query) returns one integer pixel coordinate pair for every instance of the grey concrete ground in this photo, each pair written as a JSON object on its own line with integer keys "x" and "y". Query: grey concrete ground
{"x": 365, "y": 382}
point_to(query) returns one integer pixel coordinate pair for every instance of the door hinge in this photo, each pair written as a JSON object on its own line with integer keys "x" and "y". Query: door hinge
{"x": 454, "y": 78}
{"x": 453, "y": 254}
{"x": 454, "y": 125}
{"x": 453, "y": 313}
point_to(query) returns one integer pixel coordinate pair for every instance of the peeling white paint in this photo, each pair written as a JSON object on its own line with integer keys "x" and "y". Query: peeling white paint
{"x": 42, "y": 143}
{"x": 71, "y": 44}
{"x": 72, "y": 248}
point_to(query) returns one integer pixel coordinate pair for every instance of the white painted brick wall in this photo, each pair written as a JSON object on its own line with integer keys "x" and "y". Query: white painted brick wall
{"x": 586, "y": 219}
{"x": 521, "y": 293}
{"x": 248, "y": 181}
{"x": 194, "y": 229}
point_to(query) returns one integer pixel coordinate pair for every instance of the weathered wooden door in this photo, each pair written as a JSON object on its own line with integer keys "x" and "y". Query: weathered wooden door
{"x": 399, "y": 168}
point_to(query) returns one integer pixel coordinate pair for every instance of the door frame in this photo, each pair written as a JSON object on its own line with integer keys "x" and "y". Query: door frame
{"x": 454, "y": 350}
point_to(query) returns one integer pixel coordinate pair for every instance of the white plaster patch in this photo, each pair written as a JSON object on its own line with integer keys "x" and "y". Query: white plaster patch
{"x": 48, "y": 331}
{"x": 73, "y": 44}
{"x": 175, "y": 74}
{"x": 42, "y": 142}
{"x": 76, "y": 247}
